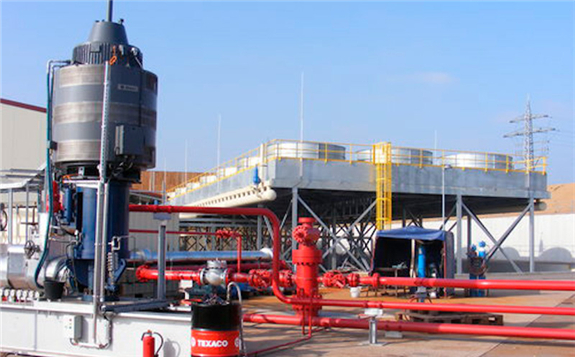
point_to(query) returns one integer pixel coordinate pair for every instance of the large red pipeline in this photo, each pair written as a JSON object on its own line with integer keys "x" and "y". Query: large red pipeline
{"x": 462, "y": 329}
{"x": 419, "y": 327}
{"x": 151, "y": 274}
{"x": 503, "y": 309}
{"x": 471, "y": 284}
{"x": 274, "y": 221}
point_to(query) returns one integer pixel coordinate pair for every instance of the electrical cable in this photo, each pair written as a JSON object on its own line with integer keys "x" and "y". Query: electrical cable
{"x": 243, "y": 349}
{"x": 49, "y": 90}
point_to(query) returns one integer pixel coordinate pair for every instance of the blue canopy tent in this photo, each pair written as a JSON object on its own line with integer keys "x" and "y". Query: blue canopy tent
{"x": 398, "y": 247}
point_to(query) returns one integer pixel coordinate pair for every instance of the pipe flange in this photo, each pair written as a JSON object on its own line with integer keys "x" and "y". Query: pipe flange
{"x": 306, "y": 235}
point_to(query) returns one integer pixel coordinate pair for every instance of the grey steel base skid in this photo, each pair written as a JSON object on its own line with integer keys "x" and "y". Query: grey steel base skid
{"x": 44, "y": 328}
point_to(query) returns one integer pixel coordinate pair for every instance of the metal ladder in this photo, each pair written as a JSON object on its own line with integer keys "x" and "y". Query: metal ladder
{"x": 382, "y": 161}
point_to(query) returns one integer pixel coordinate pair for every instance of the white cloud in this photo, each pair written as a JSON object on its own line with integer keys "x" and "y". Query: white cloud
{"x": 433, "y": 77}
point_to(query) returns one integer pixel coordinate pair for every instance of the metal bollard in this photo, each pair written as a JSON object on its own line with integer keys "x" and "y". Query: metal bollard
{"x": 373, "y": 331}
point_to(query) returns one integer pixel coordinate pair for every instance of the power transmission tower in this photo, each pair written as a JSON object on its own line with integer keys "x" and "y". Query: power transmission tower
{"x": 526, "y": 131}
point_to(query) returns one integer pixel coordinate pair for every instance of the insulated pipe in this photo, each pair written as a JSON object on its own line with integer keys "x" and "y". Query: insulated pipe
{"x": 462, "y": 329}
{"x": 190, "y": 233}
{"x": 184, "y": 256}
{"x": 244, "y": 267}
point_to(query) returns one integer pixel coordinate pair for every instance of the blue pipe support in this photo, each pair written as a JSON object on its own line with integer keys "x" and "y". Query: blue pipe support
{"x": 421, "y": 261}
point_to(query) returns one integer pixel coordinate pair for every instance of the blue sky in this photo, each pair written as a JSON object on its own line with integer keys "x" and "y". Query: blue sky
{"x": 376, "y": 71}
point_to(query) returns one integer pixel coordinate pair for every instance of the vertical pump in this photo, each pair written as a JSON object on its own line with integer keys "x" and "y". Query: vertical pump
{"x": 105, "y": 87}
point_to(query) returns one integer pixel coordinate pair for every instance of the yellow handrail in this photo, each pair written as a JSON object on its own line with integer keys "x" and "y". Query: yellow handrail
{"x": 361, "y": 153}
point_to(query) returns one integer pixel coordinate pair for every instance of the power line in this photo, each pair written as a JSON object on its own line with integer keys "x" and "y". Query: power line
{"x": 527, "y": 130}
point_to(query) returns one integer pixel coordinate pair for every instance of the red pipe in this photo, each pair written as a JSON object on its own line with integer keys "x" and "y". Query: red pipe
{"x": 144, "y": 273}
{"x": 462, "y": 329}
{"x": 151, "y": 274}
{"x": 472, "y": 284}
{"x": 416, "y": 327}
{"x": 504, "y": 309}
{"x": 239, "y": 278}
{"x": 233, "y": 211}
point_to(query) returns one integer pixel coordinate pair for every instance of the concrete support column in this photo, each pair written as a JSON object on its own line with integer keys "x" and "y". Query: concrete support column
{"x": 459, "y": 238}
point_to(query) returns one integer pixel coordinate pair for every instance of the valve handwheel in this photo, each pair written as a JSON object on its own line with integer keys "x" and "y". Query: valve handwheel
{"x": 30, "y": 248}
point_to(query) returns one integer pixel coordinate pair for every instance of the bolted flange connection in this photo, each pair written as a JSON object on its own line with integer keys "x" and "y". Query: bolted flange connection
{"x": 305, "y": 233}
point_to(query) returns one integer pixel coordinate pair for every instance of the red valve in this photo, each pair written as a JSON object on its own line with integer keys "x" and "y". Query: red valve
{"x": 260, "y": 278}
{"x": 353, "y": 280}
{"x": 334, "y": 278}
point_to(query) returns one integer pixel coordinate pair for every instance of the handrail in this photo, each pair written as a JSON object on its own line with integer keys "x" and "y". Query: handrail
{"x": 360, "y": 154}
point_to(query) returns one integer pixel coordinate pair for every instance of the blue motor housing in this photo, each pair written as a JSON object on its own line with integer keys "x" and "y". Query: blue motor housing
{"x": 117, "y": 230}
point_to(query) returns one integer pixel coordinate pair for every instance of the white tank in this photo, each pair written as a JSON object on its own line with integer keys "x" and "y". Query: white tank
{"x": 306, "y": 150}
{"x": 401, "y": 156}
{"x": 479, "y": 160}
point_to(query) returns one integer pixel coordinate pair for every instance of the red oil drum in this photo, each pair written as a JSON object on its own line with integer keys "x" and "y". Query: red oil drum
{"x": 215, "y": 330}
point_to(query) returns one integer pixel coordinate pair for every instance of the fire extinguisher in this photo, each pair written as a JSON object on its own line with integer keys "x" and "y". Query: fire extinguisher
{"x": 149, "y": 344}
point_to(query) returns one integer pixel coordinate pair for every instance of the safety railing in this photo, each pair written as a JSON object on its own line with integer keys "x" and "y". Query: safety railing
{"x": 359, "y": 154}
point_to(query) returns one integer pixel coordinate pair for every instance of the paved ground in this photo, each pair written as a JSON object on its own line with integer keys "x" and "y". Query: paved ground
{"x": 345, "y": 342}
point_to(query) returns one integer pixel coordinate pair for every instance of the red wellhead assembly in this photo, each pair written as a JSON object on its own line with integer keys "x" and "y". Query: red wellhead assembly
{"x": 307, "y": 259}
